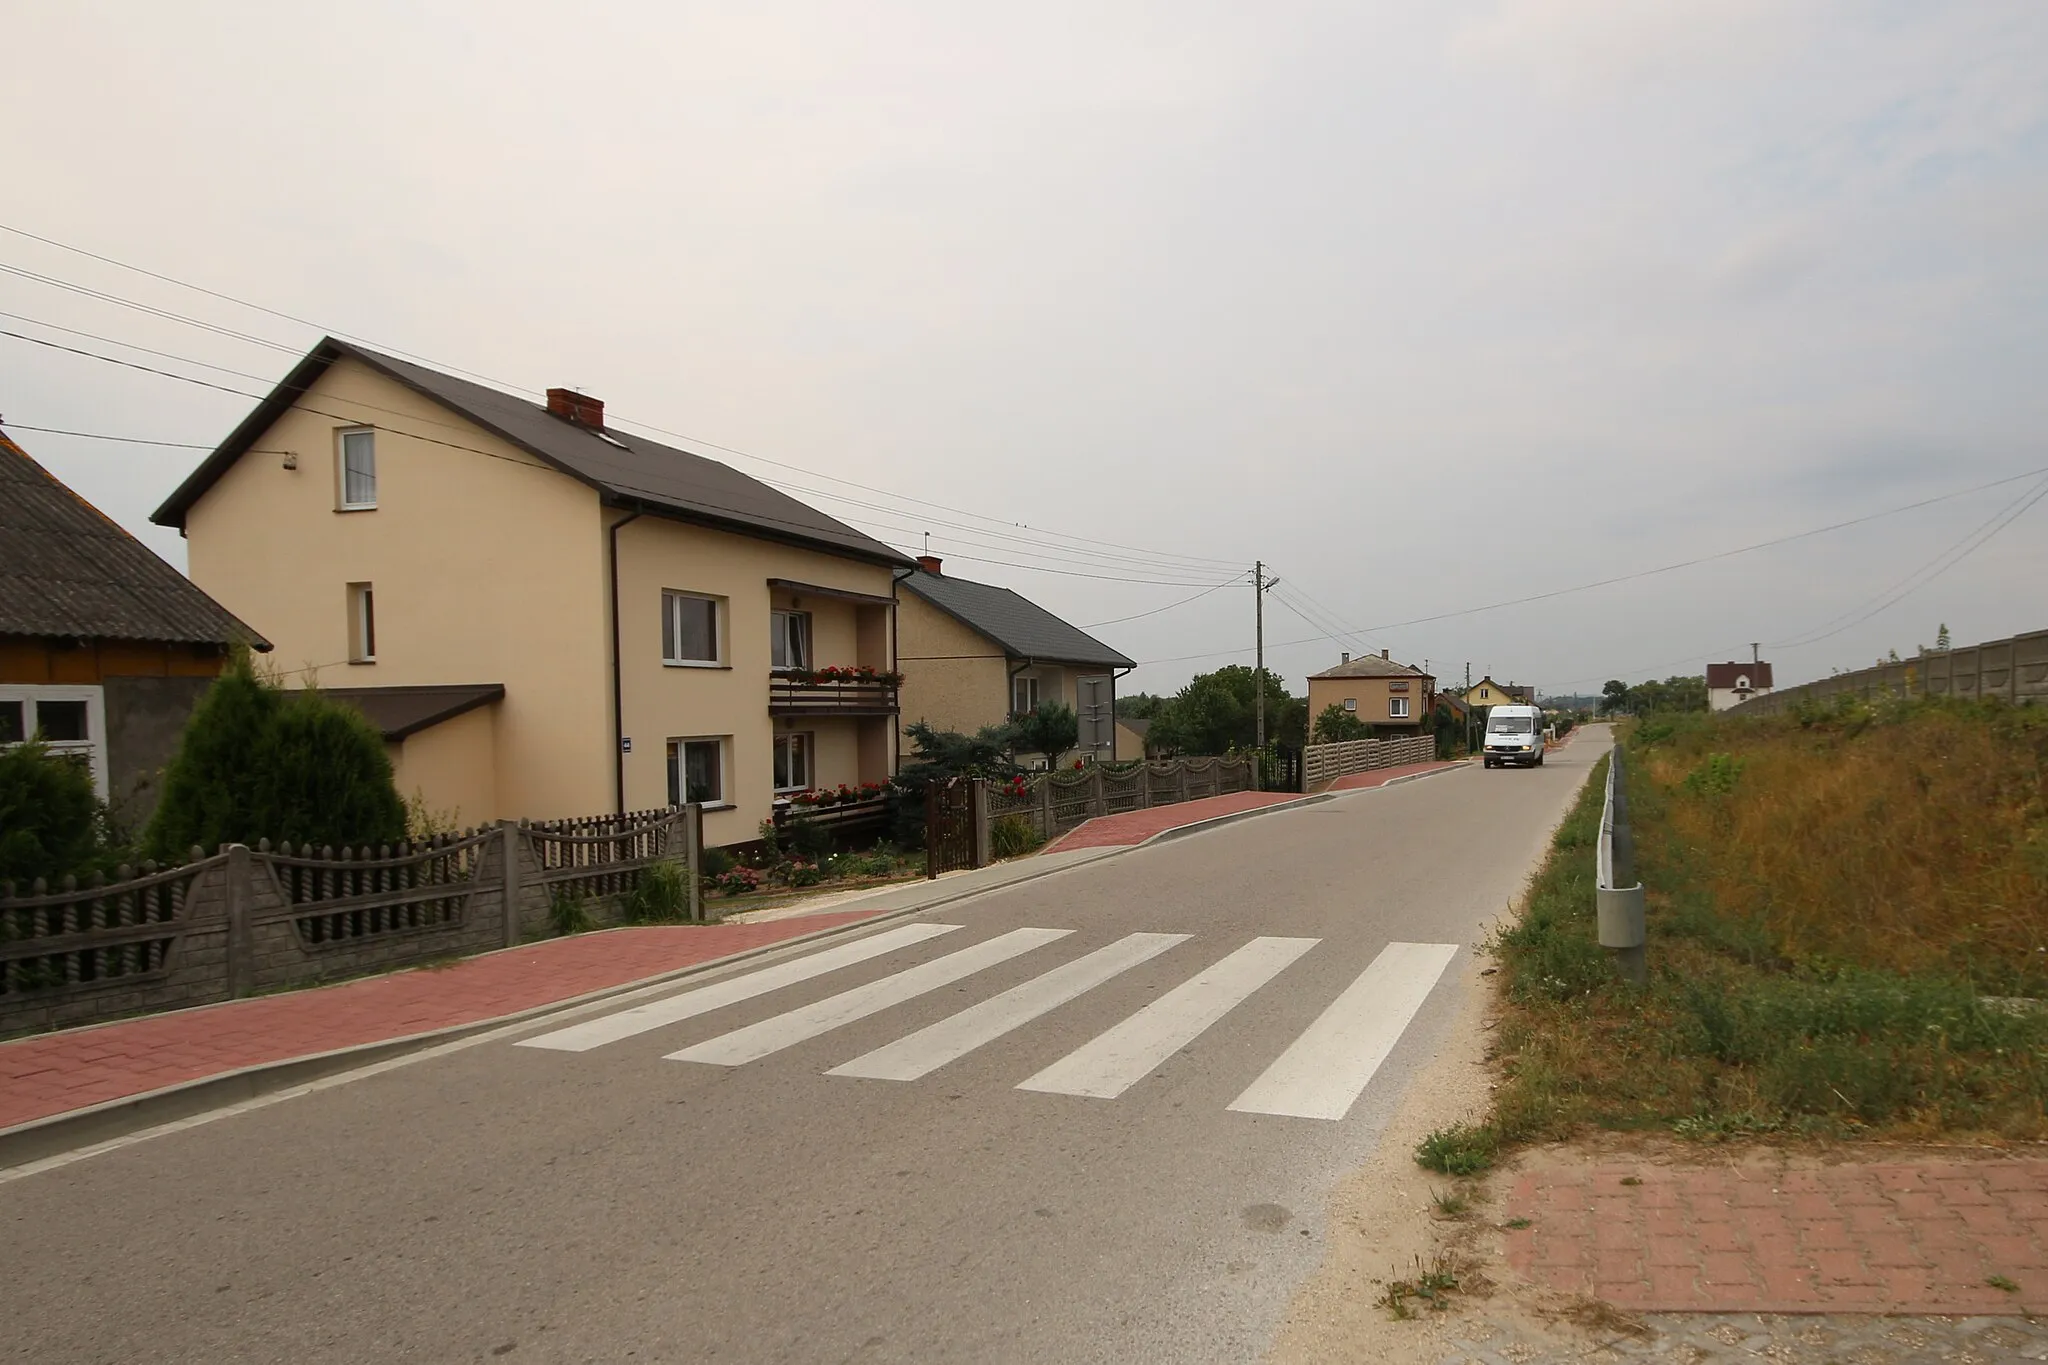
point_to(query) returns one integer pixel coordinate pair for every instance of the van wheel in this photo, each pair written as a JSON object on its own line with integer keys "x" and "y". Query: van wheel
{"x": 1539, "y": 760}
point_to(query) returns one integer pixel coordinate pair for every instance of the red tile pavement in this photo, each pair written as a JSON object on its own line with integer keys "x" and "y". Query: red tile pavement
{"x": 1134, "y": 827}
{"x": 1922, "y": 1237}
{"x": 1379, "y": 777}
{"x": 56, "y": 1072}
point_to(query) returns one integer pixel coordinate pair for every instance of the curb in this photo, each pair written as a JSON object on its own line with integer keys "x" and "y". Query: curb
{"x": 56, "y": 1134}
{"x": 1180, "y": 831}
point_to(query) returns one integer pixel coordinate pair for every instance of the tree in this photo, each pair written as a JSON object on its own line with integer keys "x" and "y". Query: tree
{"x": 1336, "y": 725}
{"x": 1053, "y": 730}
{"x": 939, "y": 756}
{"x": 1613, "y": 696}
{"x": 1139, "y": 706}
{"x": 1941, "y": 637}
{"x": 52, "y": 824}
{"x": 257, "y": 762}
{"x": 1216, "y": 713}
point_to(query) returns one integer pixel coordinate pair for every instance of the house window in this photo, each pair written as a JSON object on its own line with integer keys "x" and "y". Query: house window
{"x": 1023, "y": 696}
{"x": 793, "y": 763}
{"x": 696, "y": 771}
{"x": 689, "y": 629}
{"x": 1397, "y": 707}
{"x": 358, "y": 470}
{"x": 1351, "y": 703}
{"x": 70, "y": 720}
{"x": 362, "y": 624}
{"x": 790, "y": 639}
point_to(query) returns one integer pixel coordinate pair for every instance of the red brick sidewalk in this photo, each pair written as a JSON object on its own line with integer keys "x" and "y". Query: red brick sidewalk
{"x": 54, "y": 1073}
{"x": 1134, "y": 827}
{"x": 1379, "y": 777}
{"x": 1921, "y": 1237}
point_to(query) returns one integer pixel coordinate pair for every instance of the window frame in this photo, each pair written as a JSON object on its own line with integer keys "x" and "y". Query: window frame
{"x": 1028, "y": 681}
{"x": 92, "y": 748}
{"x": 1397, "y": 708}
{"x": 362, "y": 623}
{"x": 780, "y": 619}
{"x": 341, "y": 498}
{"x": 1351, "y": 705}
{"x": 677, "y": 761}
{"x": 672, "y": 633}
{"x": 809, "y": 742}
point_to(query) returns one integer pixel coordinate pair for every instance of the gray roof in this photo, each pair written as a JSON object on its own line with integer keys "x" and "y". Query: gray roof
{"x": 627, "y": 470}
{"x": 68, "y": 571}
{"x": 401, "y": 711}
{"x": 1024, "y": 629}
{"x": 1371, "y": 666}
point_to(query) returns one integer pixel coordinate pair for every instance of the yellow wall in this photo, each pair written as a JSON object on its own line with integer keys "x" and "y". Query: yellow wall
{"x": 453, "y": 768}
{"x": 485, "y": 570}
{"x": 953, "y": 677}
{"x": 1129, "y": 743}
{"x": 664, "y": 702}
{"x": 1372, "y": 695}
{"x": 1486, "y": 693}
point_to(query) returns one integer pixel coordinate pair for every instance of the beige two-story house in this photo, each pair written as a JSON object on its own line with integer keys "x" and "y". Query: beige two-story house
{"x": 975, "y": 655}
{"x": 547, "y": 616}
{"x": 1376, "y": 689}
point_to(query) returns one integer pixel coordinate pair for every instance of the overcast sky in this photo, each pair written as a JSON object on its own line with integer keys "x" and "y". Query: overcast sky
{"x": 1429, "y": 306}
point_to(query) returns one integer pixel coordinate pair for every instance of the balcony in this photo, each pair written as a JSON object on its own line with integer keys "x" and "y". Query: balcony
{"x": 833, "y": 692}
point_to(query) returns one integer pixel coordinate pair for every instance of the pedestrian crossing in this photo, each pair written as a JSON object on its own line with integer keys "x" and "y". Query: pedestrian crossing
{"x": 1319, "y": 1075}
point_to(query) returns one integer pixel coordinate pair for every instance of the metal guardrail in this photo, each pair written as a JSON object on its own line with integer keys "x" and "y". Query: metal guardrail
{"x": 1618, "y": 894}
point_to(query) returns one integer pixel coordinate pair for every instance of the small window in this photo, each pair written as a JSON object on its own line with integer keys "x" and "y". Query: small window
{"x": 69, "y": 720}
{"x": 790, "y": 639}
{"x": 1351, "y": 703}
{"x": 1023, "y": 696}
{"x": 62, "y": 722}
{"x": 358, "y": 470}
{"x": 362, "y": 624}
{"x": 689, "y": 629}
{"x": 1397, "y": 707}
{"x": 696, "y": 771}
{"x": 793, "y": 763}
{"x": 13, "y": 722}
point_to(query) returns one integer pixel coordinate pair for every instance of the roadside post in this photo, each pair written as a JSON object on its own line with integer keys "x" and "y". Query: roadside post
{"x": 1619, "y": 896}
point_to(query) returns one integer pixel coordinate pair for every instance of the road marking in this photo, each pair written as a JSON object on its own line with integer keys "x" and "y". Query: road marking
{"x": 688, "y": 1005}
{"x": 928, "y": 1049}
{"x": 786, "y": 1030}
{"x": 1322, "y": 1074}
{"x": 1117, "y": 1060}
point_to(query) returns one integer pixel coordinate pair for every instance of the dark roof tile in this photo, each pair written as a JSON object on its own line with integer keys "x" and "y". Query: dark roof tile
{"x": 1024, "y": 629}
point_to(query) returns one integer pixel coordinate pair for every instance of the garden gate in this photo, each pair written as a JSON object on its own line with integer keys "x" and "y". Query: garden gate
{"x": 950, "y": 841}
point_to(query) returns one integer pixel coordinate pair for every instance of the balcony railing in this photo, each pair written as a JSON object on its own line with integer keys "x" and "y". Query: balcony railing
{"x": 833, "y": 692}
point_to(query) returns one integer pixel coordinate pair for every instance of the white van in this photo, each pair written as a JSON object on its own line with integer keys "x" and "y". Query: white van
{"x": 1514, "y": 734}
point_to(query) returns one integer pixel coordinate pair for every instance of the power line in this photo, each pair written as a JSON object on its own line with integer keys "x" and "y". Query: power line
{"x": 1069, "y": 573}
{"x": 1189, "y": 560}
{"x": 1227, "y": 583}
{"x": 126, "y": 440}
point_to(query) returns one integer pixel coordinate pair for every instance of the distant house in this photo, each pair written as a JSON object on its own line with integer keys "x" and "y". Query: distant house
{"x": 1377, "y": 690}
{"x": 1731, "y": 684}
{"x": 1131, "y": 741}
{"x": 974, "y": 654}
{"x": 104, "y": 648}
{"x": 544, "y": 614}
{"x": 1487, "y": 692}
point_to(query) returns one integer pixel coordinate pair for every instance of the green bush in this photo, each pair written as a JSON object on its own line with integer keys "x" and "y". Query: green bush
{"x": 806, "y": 839}
{"x": 1335, "y": 725}
{"x": 717, "y": 862}
{"x": 52, "y": 824}
{"x": 567, "y": 915}
{"x": 660, "y": 896}
{"x": 1461, "y": 1149}
{"x": 1012, "y": 836}
{"x": 256, "y": 762}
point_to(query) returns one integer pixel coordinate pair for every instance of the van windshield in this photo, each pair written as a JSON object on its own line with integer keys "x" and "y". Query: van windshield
{"x": 1510, "y": 725}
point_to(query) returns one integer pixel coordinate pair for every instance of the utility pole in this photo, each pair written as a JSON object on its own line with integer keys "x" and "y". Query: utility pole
{"x": 1259, "y": 586}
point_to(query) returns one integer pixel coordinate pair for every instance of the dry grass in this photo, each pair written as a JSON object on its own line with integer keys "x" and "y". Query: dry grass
{"x": 1831, "y": 900}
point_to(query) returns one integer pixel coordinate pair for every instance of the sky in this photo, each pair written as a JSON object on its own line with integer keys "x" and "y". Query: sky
{"x": 1428, "y": 307}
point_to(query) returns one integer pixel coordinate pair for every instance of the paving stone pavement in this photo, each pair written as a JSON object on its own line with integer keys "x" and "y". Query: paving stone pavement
{"x": 1800, "y": 1339}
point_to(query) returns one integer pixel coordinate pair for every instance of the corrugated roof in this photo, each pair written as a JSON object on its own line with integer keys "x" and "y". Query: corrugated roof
{"x": 1024, "y": 629}
{"x": 627, "y": 469}
{"x": 1371, "y": 666}
{"x": 66, "y": 570}
{"x": 401, "y": 711}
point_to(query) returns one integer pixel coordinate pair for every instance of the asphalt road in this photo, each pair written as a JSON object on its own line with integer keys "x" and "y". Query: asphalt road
{"x": 526, "y": 1203}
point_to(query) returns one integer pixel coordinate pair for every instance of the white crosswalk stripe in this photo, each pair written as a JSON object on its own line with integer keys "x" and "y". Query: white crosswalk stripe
{"x": 787, "y": 1030}
{"x": 928, "y": 1049}
{"x": 1325, "y": 1070}
{"x": 1118, "y": 1059}
{"x": 660, "y": 1013}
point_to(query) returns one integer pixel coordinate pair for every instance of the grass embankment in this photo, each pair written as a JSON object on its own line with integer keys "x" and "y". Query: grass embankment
{"x": 1844, "y": 907}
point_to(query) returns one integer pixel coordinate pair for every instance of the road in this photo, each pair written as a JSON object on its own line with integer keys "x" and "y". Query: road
{"x": 507, "y": 1201}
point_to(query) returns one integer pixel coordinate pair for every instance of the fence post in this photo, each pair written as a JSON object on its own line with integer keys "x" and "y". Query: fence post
{"x": 1045, "y": 805}
{"x": 1180, "y": 777}
{"x": 1098, "y": 795}
{"x": 693, "y": 855}
{"x": 508, "y": 847}
{"x": 1144, "y": 783}
{"x": 241, "y": 932}
{"x": 977, "y": 797}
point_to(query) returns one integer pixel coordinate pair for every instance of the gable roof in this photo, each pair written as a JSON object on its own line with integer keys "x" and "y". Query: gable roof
{"x": 1024, "y": 629}
{"x": 401, "y": 711}
{"x": 1724, "y": 675}
{"x": 67, "y": 570}
{"x": 1518, "y": 692}
{"x": 1371, "y": 666}
{"x": 626, "y": 470}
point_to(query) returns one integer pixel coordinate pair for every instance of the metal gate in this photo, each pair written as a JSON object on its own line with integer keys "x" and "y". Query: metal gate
{"x": 949, "y": 842}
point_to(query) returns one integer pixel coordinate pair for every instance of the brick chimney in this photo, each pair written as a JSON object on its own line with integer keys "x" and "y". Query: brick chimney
{"x": 579, "y": 408}
{"x": 929, "y": 563}
{"x": 1386, "y": 654}
{"x": 1346, "y": 659}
